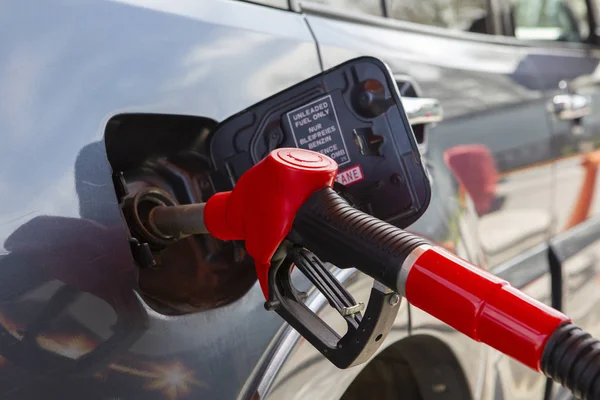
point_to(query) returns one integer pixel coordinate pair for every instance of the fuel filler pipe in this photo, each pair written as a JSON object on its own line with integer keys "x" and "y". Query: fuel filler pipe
{"x": 289, "y": 196}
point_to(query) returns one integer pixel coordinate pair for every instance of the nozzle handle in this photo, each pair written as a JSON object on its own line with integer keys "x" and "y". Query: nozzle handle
{"x": 339, "y": 233}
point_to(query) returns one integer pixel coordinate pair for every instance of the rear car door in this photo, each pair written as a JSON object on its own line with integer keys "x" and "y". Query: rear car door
{"x": 74, "y": 323}
{"x": 561, "y": 38}
{"x": 489, "y": 157}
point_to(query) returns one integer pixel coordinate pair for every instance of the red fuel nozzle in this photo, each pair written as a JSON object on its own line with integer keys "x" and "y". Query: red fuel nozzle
{"x": 261, "y": 208}
{"x": 289, "y": 194}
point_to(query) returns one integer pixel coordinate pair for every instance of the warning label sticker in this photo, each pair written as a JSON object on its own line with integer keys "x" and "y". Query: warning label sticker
{"x": 315, "y": 127}
{"x": 350, "y": 175}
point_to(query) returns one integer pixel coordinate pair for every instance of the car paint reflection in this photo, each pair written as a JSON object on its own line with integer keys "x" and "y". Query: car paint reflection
{"x": 67, "y": 70}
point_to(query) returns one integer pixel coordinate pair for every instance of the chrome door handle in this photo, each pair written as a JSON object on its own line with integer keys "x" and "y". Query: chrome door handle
{"x": 570, "y": 106}
{"x": 422, "y": 110}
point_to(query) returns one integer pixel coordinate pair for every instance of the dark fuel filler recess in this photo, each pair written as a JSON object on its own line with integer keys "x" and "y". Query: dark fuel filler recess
{"x": 351, "y": 113}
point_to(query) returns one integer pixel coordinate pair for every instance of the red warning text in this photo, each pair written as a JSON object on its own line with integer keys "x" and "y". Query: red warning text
{"x": 350, "y": 175}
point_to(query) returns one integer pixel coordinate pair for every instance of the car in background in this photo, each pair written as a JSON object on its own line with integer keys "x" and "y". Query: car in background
{"x": 101, "y": 100}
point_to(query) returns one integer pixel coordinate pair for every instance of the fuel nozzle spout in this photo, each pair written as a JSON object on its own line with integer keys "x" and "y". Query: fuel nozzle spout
{"x": 178, "y": 221}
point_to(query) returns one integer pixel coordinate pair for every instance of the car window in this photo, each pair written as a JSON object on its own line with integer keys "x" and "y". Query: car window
{"x": 553, "y": 20}
{"x": 371, "y": 7}
{"x": 464, "y": 15}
